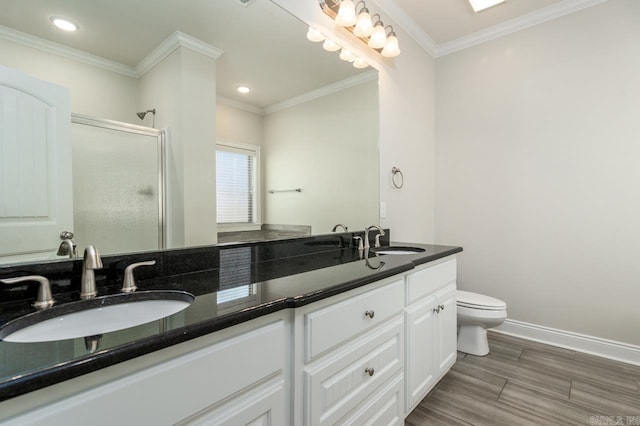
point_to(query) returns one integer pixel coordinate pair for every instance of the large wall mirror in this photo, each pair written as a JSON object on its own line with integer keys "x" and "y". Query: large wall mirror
{"x": 311, "y": 118}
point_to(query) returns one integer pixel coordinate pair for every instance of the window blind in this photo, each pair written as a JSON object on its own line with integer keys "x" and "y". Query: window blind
{"x": 235, "y": 185}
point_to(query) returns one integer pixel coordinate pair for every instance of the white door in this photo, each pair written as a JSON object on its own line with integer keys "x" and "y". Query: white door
{"x": 36, "y": 201}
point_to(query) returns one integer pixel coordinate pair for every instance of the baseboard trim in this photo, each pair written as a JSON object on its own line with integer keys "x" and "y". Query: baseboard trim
{"x": 566, "y": 339}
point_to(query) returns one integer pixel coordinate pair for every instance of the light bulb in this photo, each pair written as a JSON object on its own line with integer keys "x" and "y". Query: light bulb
{"x": 378, "y": 37}
{"x": 64, "y": 24}
{"x": 346, "y": 14}
{"x": 345, "y": 55}
{"x": 314, "y": 35}
{"x": 391, "y": 48}
{"x": 364, "y": 26}
{"x": 330, "y": 45}
{"x": 359, "y": 63}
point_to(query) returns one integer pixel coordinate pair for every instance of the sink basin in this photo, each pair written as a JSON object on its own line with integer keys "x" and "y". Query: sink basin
{"x": 95, "y": 316}
{"x": 397, "y": 250}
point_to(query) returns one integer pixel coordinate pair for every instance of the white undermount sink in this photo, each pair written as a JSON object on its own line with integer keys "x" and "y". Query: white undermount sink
{"x": 95, "y": 316}
{"x": 397, "y": 250}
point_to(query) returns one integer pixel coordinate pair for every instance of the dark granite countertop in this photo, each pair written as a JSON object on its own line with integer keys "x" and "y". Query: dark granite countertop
{"x": 244, "y": 281}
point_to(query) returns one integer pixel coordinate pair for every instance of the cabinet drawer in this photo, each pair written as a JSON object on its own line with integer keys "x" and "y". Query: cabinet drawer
{"x": 327, "y": 327}
{"x": 333, "y": 386}
{"x": 429, "y": 280}
{"x": 383, "y": 408}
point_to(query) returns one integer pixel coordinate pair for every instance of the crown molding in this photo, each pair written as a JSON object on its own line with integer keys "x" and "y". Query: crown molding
{"x": 323, "y": 91}
{"x": 175, "y": 40}
{"x": 239, "y": 105}
{"x": 541, "y": 16}
{"x": 68, "y": 52}
{"x": 406, "y": 22}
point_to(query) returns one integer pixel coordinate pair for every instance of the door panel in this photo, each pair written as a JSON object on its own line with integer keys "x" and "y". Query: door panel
{"x": 35, "y": 165}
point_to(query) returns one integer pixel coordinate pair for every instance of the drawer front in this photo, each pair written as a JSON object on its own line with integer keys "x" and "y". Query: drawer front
{"x": 333, "y": 387}
{"x": 330, "y": 326}
{"x": 383, "y": 408}
{"x": 428, "y": 280}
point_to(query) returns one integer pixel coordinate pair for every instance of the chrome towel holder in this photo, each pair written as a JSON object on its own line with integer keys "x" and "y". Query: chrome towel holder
{"x": 273, "y": 191}
{"x": 397, "y": 178}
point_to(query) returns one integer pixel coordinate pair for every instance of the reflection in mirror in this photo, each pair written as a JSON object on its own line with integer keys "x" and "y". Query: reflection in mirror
{"x": 312, "y": 117}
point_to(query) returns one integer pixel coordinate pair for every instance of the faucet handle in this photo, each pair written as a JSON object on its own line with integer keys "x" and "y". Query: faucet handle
{"x": 377, "y": 244}
{"x": 44, "y": 299}
{"x": 359, "y": 240}
{"x": 129, "y": 282}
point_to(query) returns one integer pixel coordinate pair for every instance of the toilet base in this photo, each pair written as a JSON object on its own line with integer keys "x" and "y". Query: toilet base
{"x": 472, "y": 339}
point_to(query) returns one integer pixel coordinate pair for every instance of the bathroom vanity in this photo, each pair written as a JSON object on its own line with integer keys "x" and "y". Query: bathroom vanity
{"x": 307, "y": 331}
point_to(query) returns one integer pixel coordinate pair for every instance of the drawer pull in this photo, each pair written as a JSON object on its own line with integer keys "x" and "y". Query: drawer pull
{"x": 436, "y": 309}
{"x": 370, "y": 314}
{"x": 442, "y": 307}
{"x": 370, "y": 371}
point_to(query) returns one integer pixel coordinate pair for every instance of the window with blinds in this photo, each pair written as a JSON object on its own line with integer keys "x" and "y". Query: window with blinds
{"x": 236, "y": 183}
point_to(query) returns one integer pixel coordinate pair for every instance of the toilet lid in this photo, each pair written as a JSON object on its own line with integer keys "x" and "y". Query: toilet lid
{"x": 475, "y": 300}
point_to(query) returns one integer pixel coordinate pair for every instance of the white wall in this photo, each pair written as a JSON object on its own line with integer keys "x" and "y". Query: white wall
{"x": 94, "y": 91}
{"x": 236, "y": 125}
{"x": 326, "y": 147}
{"x": 182, "y": 89}
{"x": 537, "y": 170}
{"x": 406, "y": 96}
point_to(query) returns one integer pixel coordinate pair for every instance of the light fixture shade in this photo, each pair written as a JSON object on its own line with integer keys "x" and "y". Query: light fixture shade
{"x": 345, "y": 55}
{"x": 378, "y": 37}
{"x": 346, "y": 16}
{"x": 359, "y": 63}
{"x": 364, "y": 26}
{"x": 391, "y": 48}
{"x": 314, "y": 35}
{"x": 330, "y": 45}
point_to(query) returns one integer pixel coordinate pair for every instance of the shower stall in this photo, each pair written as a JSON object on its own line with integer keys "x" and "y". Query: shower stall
{"x": 118, "y": 185}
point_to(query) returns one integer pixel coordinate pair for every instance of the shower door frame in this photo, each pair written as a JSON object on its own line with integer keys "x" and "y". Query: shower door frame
{"x": 161, "y": 137}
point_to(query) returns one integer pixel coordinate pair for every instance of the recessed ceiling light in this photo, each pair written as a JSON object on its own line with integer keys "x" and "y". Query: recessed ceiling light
{"x": 243, "y": 89}
{"x": 479, "y": 5}
{"x": 64, "y": 24}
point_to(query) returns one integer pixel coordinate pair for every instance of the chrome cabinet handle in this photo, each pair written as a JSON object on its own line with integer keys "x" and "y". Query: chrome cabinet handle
{"x": 44, "y": 299}
{"x": 129, "y": 282}
{"x": 370, "y": 371}
{"x": 441, "y": 307}
{"x": 370, "y": 314}
{"x": 436, "y": 309}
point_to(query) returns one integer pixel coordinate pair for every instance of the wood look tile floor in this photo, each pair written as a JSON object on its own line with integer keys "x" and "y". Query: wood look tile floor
{"x": 522, "y": 382}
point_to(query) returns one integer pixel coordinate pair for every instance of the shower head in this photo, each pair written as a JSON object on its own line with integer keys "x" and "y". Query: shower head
{"x": 142, "y": 114}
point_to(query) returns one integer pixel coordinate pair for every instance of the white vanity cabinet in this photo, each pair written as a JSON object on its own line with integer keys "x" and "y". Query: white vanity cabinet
{"x": 238, "y": 376}
{"x": 430, "y": 320}
{"x": 351, "y": 357}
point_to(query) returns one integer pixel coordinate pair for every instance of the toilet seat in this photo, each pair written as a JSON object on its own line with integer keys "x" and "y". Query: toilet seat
{"x": 471, "y": 300}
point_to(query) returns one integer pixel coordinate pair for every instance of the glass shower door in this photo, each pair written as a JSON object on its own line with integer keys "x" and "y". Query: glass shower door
{"x": 118, "y": 185}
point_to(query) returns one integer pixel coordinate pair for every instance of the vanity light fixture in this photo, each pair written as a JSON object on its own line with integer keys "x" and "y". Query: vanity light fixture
{"x": 379, "y": 36}
{"x": 359, "y": 63}
{"x": 243, "y": 89}
{"x": 314, "y": 35}
{"x": 346, "y": 16}
{"x": 330, "y": 45}
{"x": 391, "y": 47}
{"x": 345, "y": 55}
{"x": 64, "y": 24}
{"x": 364, "y": 25}
{"x": 480, "y": 5}
{"x": 369, "y": 28}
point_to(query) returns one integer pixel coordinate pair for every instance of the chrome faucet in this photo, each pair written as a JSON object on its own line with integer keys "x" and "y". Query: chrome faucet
{"x": 67, "y": 246}
{"x": 90, "y": 262}
{"x": 366, "y": 235}
{"x": 335, "y": 228}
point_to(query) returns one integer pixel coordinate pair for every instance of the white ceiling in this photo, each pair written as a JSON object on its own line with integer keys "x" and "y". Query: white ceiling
{"x": 264, "y": 46}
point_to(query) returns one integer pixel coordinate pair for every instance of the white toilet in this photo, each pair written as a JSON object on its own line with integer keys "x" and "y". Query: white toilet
{"x": 476, "y": 313}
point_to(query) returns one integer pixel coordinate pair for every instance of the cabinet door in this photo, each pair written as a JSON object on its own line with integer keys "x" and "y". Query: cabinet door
{"x": 421, "y": 362}
{"x": 447, "y": 328}
{"x": 263, "y": 406}
{"x": 35, "y": 165}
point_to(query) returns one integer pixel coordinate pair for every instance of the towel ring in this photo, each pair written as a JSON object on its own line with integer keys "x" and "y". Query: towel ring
{"x": 398, "y": 182}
